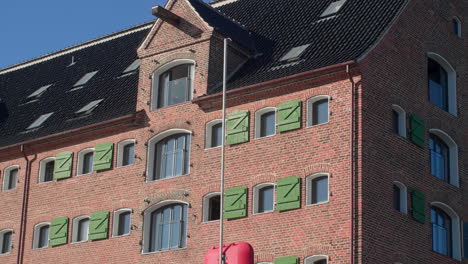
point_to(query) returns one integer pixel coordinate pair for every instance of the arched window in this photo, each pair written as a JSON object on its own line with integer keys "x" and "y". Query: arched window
{"x": 316, "y": 259}
{"x": 400, "y": 197}
{"x": 214, "y": 133}
{"x": 126, "y": 153}
{"x": 46, "y": 170}
{"x": 442, "y": 83}
{"x": 6, "y": 237}
{"x": 444, "y": 156}
{"x": 264, "y": 198}
{"x": 85, "y": 161}
{"x": 173, "y": 83}
{"x": 80, "y": 230}
{"x": 317, "y": 188}
{"x": 457, "y": 27}
{"x": 318, "y": 110}
{"x": 10, "y": 177}
{"x": 165, "y": 227}
{"x": 399, "y": 120}
{"x": 169, "y": 154}
{"x": 211, "y": 207}
{"x": 265, "y": 122}
{"x": 41, "y": 236}
{"x": 445, "y": 230}
{"x": 121, "y": 222}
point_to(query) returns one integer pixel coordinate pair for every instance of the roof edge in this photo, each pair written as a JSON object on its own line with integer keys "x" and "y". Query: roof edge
{"x": 77, "y": 47}
{"x": 219, "y": 3}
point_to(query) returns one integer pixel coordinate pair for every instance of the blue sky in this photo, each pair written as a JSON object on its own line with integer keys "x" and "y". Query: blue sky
{"x": 31, "y": 28}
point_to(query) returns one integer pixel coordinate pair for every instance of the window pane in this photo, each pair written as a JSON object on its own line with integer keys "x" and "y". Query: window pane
{"x": 320, "y": 112}
{"x": 216, "y": 135}
{"x": 43, "y": 240}
{"x": 49, "y": 171}
{"x": 179, "y": 156}
{"x": 214, "y": 207}
{"x": 267, "y": 124}
{"x": 162, "y": 90}
{"x": 88, "y": 162}
{"x": 6, "y": 243}
{"x": 153, "y": 231}
{"x": 83, "y": 227}
{"x": 396, "y": 123}
{"x": 174, "y": 86}
{"x": 396, "y": 198}
{"x": 441, "y": 232}
{"x": 323, "y": 261}
{"x": 320, "y": 189}
{"x": 438, "y": 84}
{"x": 439, "y": 158}
{"x": 176, "y": 225}
{"x": 164, "y": 227}
{"x": 13, "y": 178}
{"x": 170, "y": 223}
{"x": 124, "y": 224}
{"x": 465, "y": 239}
{"x": 128, "y": 154}
{"x": 265, "y": 199}
{"x": 172, "y": 156}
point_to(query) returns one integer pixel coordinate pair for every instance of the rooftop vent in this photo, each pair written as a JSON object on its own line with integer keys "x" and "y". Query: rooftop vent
{"x": 333, "y": 8}
{"x": 73, "y": 62}
{"x": 39, "y": 121}
{"x": 295, "y": 53}
{"x": 87, "y": 109}
{"x": 85, "y": 79}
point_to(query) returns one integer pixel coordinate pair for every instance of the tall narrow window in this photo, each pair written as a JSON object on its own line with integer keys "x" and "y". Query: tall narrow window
{"x": 85, "y": 161}
{"x": 465, "y": 239}
{"x": 80, "y": 229}
{"x": 6, "y": 237}
{"x": 438, "y": 84}
{"x": 318, "y": 110}
{"x": 399, "y": 120}
{"x": 211, "y": 207}
{"x": 264, "y": 198}
{"x": 400, "y": 197}
{"x": 175, "y": 86}
{"x": 317, "y": 259}
{"x": 396, "y": 198}
{"x": 121, "y": 222}
{"x": 457, "y": 27}
{"x": 317, "y": 188}
{"x": 441, "y": 232}
{"x": 128, "y": 154}
{"x": 168, "y": 228}
{"x": 172, "y": 156}
{"x": 10, "y": 178}
{"x": 41, "y": 236}
{"x": 216, "y": 135}
{"x": 265, "y": 122}
{"x": 395, "y": 121}
{"x": 49, "y": 171}
{"x": 439, "y": 158}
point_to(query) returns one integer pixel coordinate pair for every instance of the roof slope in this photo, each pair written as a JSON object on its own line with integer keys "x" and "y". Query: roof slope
{"x": 110, "y": 58}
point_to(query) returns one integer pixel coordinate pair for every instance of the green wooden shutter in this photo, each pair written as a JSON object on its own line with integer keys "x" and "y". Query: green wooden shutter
{"x": 418, "y": 205}
{"x": 288, "y": 193}
{"x": 417, "y": 131}
{"x": 58, "y": 231}
{"x": 63, "y": 165}
{"x": 237, "y": 127}
{"x": 287, "y": 260}
{"x": 289, "y": 115}
{"x": 103, "y": 155}
{"x": 235, "y": 202}
{"x": 99, "y": 225}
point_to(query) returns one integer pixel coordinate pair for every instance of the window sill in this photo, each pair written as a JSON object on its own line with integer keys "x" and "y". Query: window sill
{"x": 9, "y": 190}
{"x": 207, "y": 222}
{"x": 79, "y": 242}
{"x": 208, "y": 148}
{"x": 89, "y": 173}
{"x": 121, "y": 236}
{"x": 262, "y": 213}
{"x": 45, "y": 182}
{"x": 119, "y": 167}
{"x": 163, "y": 251}
{"x": 310, "y": 126}
{"x": 315, "y": 204}
{"x": 265, "y": 137}
{"x": 3, "y": 254}
{"x": 167, "y": 179}
{"x": 40, "y": 248}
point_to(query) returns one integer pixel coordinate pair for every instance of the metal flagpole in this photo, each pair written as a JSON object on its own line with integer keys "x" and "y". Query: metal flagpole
{"x": 223, "y": 143}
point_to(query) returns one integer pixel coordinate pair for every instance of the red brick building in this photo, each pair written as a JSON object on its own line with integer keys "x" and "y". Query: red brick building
{"x": 346, "y": 137}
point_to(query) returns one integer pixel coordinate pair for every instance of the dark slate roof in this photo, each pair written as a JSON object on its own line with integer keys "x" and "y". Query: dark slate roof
{"x": 110, "y": 58}
{"x": 279, "y": 25}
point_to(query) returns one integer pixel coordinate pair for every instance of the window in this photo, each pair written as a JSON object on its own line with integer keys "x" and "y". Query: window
{"x": 121, "y": 223}
{"x": 445, "y": 223}
{"x": 5, "y": 241}
{"x": 442, "y": 83}
{"x": 10, "y": 178}
{"x": 214, "y": 133}
{"x": 294, "y": 53}
{"x": 84, "y": 80}
{"x": 172, "y": 84}
{"x": 132, "y": 68}
{"x": 38, "y": 93}
{"x": 317, "y": 110}
{"x": 41, "y": 236}
{"x": 39, "y": 121}
{"x": 399, "y": 120}
{"x": 444, "y": 156}
{"x": 457, "y": 27}
{"x": 317, "y": 188}
{"x": 46, "y": 170}
{"x": 88, "y": 109}
{"x": 80, "y": 229}
{"x": 126, "y": 153}
{"x": 317, "y": 259}
{"x": 265, "y": 122}
{"x": 264, "y": 198}
{"x": 333, "y": 8}
{"x": 85, "y": 161}
{"x": 400, "y": 197}
{"x": 169, "y": 156}
{"x": 465, "y": 240}
{"x": 165, "y": 227}
{"x": 211, "y": 207}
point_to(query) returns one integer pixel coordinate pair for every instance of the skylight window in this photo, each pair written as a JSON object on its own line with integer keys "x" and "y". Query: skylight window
{"x": 85, "y": 79}
{"x": 39, "y": 92}
{"x": 295, "y": 53}
{"x": 87, "y": 109}
{"x": 39, "y": 121}
{"x": 132, "y": 68}
{"x": 333, "y": 8}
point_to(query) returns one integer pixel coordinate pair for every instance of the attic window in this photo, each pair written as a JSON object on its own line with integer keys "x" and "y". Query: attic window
{"x": 38, "y": 93}
{"x": 132, "y": 68}
{"x": 87, "y": 109}
{"x": 85, "y": 79}
{"x": 333, "y": 8}
{"x": 39, "y": 121}
{"x": 295, "y": 53}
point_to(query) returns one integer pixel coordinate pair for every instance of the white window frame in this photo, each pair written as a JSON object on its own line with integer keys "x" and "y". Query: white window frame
{"x": 309, "y": 180}
{"x": 147, "y": 222}
{"x": 401, "y": 119}
{"x": 206, "y": 206}
{"x": 459, "y": 26}
{"x": 79, "y": 167}
{"x": 403, "y": 197}
{"x": 150, "y": 164}
{"x": 256, "y": 197}
{"x": 258, "y": 121}
{"x": 456, "y": 229}
{"x": 453, "y": 155}
{"x": 209, "y": 132}
{"x": 452, "y": 81}
{"x": 161, "y": 70}
{"x": 314, "y": 258}
{"x": 2, "y": 232}
{"x": 75, "y": 228}
{"x": 310, "y": 102}
{"x": 37, "y": 230}
{"x": 115, "y": 221}
{"x": 6, "y": 177}
{"x": 42, "y": 168}
{"x": 120, "y": 148}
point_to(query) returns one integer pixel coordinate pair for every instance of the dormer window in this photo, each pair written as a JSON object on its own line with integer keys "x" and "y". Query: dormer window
{"x": 84, "y": 80}
{"x": 39, "y": 121}
{"x": 87, "y": 109}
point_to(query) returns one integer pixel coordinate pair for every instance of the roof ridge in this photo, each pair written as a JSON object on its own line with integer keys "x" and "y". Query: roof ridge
{"x": 76, "y": 47}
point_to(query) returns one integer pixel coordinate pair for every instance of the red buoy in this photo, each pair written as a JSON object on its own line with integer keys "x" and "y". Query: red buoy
{"x": 235, "y": 253}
